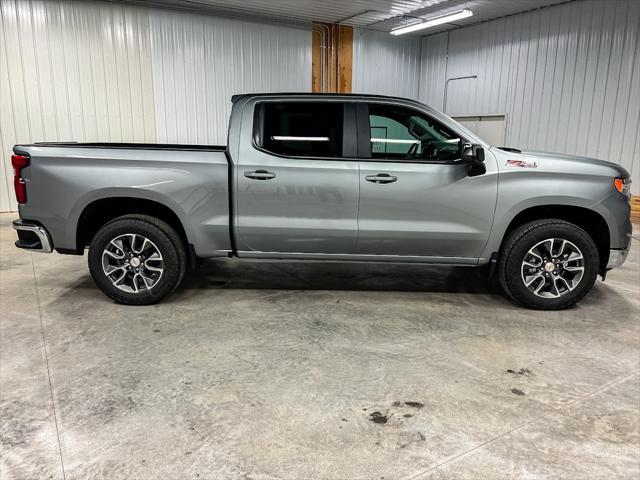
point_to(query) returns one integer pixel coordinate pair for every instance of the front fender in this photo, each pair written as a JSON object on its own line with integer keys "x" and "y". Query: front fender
{"x": 518, "y": 192}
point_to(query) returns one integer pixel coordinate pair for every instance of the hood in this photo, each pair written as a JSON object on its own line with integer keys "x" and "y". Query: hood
{"x": 584, "y": 164}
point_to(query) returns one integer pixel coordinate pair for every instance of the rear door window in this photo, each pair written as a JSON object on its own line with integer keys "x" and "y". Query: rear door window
{"x": 302, "y": 129}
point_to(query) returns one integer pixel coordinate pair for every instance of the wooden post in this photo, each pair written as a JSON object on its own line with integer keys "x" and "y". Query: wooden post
{"x": 635, "y": 209}
{"x": 345, "y": 58}
{"x": 332, "y": 58}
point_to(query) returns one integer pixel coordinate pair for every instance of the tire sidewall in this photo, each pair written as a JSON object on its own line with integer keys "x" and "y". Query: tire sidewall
{"x": 170, "y": 275}
{"x": 561, "y": 230}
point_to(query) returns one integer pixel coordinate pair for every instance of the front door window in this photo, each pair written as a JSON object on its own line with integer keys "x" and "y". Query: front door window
{"x": 401, "y": 133}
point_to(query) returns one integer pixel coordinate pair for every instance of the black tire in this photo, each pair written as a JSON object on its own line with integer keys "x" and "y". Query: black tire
{"x": 163, "y": 236}
{"x": 523, "y": 238}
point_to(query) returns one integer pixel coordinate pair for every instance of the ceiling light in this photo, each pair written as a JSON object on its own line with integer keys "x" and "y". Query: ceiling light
{"x": 432, "y": 22}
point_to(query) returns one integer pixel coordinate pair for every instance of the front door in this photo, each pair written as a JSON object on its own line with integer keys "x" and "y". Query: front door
{"x": 416, "y": 198}
{"x": 297, "y": 178}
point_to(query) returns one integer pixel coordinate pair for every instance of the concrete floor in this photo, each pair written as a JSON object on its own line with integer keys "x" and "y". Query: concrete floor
{"x": 304, "y": 371}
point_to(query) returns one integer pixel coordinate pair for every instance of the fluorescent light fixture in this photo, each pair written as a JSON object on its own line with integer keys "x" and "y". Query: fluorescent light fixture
{"x": 432, "y": 22}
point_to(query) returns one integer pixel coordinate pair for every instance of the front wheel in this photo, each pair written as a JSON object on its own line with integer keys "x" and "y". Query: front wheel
{"x": 137, "y": 259}
{"x": 548, "y": 264}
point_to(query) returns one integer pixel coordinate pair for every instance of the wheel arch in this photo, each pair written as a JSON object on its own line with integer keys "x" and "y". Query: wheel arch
{"x": 589, "y": 220}
{"x": 100, "y": 211}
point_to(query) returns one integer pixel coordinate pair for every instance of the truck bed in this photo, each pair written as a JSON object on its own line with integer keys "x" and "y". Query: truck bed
{"x": 69, "y": 182}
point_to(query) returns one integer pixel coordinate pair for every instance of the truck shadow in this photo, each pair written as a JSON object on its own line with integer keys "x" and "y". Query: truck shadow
{"x": 355, "y": 276}
{"x": 284, "y": 275}
{"x": 297, "y": 276}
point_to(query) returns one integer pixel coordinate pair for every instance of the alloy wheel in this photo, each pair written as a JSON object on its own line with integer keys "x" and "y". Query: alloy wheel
{"x": 552, "y": 268}
{"x": 132, "y": 263}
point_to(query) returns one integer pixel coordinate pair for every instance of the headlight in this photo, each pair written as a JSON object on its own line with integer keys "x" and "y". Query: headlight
{"x": 623, "y": 185}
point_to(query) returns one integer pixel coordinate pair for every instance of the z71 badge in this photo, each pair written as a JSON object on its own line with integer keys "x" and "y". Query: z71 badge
{"x": 521, "y": 164}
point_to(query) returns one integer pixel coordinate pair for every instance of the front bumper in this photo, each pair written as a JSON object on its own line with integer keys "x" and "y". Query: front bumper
{"x": 32, "y": 236}
{"x": 617, "y": 257}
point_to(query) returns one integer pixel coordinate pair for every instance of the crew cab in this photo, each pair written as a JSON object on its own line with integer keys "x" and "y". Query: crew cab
{"x": 327, "y": 177}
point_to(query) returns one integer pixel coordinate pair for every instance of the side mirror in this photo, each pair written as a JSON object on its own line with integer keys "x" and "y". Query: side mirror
{"x": 474, "y": 156}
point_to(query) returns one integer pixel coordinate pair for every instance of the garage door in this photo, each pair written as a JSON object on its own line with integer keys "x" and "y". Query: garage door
{"x": 490, "y": 128}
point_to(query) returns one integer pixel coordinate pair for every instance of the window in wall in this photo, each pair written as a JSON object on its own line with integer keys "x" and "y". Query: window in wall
{"x": 303, "y": 129}
{"x": 401, "y": 133}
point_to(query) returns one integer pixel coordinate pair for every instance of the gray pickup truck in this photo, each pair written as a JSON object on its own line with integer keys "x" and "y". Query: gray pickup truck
{"x": 327, "y": 177}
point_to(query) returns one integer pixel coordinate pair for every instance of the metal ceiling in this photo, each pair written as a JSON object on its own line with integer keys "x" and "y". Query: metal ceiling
{"x": 381, "y": 15}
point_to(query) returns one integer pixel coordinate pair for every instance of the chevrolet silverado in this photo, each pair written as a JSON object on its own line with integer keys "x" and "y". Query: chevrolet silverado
{"x": 327, "y": 177}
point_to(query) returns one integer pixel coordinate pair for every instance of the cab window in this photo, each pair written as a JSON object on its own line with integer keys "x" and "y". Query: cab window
{"x": 302, "y": 129}
{"x": 401, "y": 133}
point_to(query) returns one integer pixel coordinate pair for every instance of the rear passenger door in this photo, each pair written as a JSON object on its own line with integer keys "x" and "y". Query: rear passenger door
{"x": 297, "y": 178}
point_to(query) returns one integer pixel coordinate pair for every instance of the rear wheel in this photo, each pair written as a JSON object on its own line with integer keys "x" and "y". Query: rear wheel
{"x": 548, "y": 264}
{"x": 137, "y": 259}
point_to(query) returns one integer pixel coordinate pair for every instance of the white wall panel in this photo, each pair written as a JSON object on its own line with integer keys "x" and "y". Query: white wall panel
{"x": 199, "y": 62}
{"x": 94, "y": 71}
{"x": 568, "y": 78}
{"x": 72, "y": 71}
{"x": 384, "y": 64}
{"x": 433, "y": 69}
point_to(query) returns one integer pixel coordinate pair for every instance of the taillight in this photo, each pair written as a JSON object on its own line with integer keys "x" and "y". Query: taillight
{"x": 623, "y": 185}
{"x": 18, "y": 162}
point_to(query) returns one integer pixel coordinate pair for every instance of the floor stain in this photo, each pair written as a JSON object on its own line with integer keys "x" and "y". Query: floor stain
{"x": 522, "y": 371}
{"x": 377, "y": 417}
{"x": 17, "y": 434}
{"x": 408, "y": 404}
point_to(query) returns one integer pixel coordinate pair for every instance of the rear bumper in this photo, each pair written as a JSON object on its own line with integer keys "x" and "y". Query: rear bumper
{"x": 32, "y": 236}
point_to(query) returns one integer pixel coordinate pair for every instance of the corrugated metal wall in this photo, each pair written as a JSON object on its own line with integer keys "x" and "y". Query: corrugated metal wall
{"x": 568, "y": 78}
{"x": 433, "y": 69}
{"x": 72, "y": 71}
{"x": 199, "y": 62}
{"x": 384, "y": 64}
{"x": 92, "y": 71}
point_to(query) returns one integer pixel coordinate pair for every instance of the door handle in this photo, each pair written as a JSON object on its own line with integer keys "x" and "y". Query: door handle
{"x": 260, "y": 175}
{"x": 381, "y": 178}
